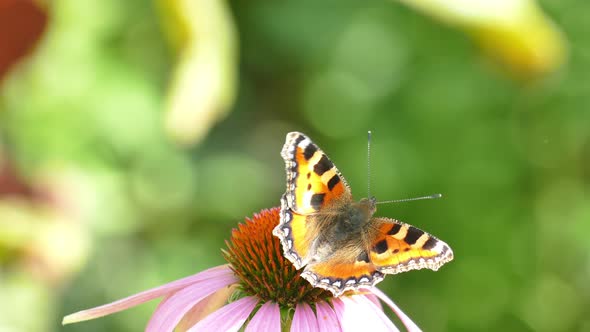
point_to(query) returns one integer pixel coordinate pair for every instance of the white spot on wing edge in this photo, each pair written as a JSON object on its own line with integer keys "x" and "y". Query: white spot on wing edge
{"x": 303, "y": 144}
{"x": 439, "y": 246}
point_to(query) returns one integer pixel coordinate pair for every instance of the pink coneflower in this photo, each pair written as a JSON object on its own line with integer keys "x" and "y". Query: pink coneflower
{"x": 259, "y": 290}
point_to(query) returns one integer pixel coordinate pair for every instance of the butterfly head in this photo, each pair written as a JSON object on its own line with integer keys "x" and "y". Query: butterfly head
{"x": 368, "y": 206}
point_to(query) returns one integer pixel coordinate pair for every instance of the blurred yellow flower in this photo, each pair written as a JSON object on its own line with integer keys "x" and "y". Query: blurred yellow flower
{"x": 204, "y": 81}
{"x": 515, "y": 32}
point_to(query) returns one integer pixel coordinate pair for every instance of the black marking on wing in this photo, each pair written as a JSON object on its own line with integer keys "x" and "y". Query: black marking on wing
{"x": 323, "y": 165}
{"x": 380, "y": 247}
{"x": 413, "y": 235}
{"x": 317, "y": 200}
{"x": 333, "y": 181}
{"x": 309, "y": 151}
{"x": 395, "y": 229}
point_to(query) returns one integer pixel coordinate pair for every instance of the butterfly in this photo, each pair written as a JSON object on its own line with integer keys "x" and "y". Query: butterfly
{"x": 335, "y": 240}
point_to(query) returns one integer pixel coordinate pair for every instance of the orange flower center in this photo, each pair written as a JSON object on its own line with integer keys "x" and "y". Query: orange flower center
{"x": 256, "y": 256}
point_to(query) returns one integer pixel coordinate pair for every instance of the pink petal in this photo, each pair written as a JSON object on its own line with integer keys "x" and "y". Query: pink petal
{"x": 267, "y": 318}
{"x": 207, "y": 306}
{"x": 363, "y": 315}
{"x": 374, "y": 299}
{"x": 229, "y": 318}
{"x": 304, "y": 319}
{"x": 408, "y": 323}
{"x": 365, "y": 302}
{"x": 171, "y": 312}
{"x": 339, "y": 309}
{"x": 327, "y": 319}
{"x": 147, "y": 295}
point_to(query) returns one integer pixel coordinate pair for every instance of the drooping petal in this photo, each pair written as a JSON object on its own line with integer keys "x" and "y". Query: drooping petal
{"x": 171, "y": 312}
{"x": 408, "y": 323}
{"x": 139, "y": 298}
{"x": 327, "y": 319}
{"x": 374, "y": 299}
{"x": 361, "y": 316}
{"x": 207, "y": 306}
{"x": 267, "y": 318}
{"x": 229, "y": 318}
{"x": 369, "y": 305}
{"x": 304, "y": 319}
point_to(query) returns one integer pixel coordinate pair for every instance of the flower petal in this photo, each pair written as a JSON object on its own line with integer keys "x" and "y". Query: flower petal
{"x": 327, "y": 319}
{"x": 171, "y": 312}
{"x": 207, "y": 306}
{"x": 373, "y": 298}
{"x": 147, "y": 295}
{"x": 408, "y": 323}
{"x": 229, "y": 318}
{"x": 361, "y": 315}
{"x": 365, "y": 302}
{"x": 304, "y": 319}
{"x": 267, "y": 318}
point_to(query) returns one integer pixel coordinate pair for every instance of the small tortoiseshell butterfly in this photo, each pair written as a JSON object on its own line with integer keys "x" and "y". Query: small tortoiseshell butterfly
{"x": 338, "y": 241}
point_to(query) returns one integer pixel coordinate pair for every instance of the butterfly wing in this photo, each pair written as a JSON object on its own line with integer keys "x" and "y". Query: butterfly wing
{"x": 313, "y": 182}
{"x": 348, "y": 269}
{"x": 297, "y": 237}
{"x": 312, "y": 179}
{"x": 390, "y": 247}
{"x": 398, "y": 247}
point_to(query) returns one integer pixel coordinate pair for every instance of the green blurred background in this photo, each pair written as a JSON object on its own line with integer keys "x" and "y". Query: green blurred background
{"x": 102, "y": 195}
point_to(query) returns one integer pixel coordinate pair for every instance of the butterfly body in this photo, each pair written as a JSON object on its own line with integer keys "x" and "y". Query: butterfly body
{"x": 341, "y": 225}
{"x": 337, "y": 241}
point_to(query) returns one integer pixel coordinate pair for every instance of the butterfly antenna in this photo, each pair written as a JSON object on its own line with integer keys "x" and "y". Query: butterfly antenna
{"x": 369, "y": 163}
{"x": 412, "y": 199}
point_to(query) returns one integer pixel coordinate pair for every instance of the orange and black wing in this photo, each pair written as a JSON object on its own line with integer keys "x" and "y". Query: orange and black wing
{"x": 312, "y": 179}
{"x": 296, "y": 235}
{"x": 398, "y": 247}
{"x": 313, "y": 182}
{"x": 393, "y": 247}
{"x": 348, "y": 269}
